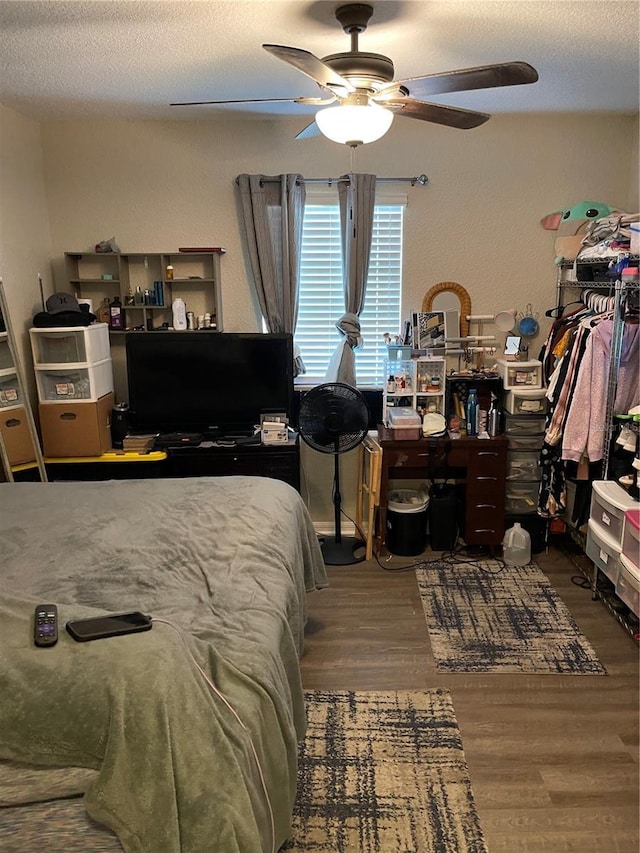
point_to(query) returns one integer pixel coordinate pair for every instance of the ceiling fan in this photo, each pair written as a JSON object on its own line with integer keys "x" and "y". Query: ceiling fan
{"x": 367, "y": 95}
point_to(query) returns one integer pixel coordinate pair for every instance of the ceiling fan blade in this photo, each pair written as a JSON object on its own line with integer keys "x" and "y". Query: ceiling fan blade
{"x": 311, "y": 66}
{"x": 466, "y": 79}
{"x": 436, "y": 113}
{"x": 309, "y": 131}
{"x": 241, "y": 101}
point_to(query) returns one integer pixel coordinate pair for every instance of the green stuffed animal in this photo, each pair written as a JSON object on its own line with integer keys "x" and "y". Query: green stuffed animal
{"x": 571, "y": 225}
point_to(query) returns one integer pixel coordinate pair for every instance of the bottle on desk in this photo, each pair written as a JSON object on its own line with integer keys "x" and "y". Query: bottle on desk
{"x": 493, "y": 418}
{"x": 472, "y": 413}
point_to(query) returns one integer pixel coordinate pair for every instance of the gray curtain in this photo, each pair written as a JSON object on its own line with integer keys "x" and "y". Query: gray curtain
{"x": 272, "y": 209}
{"x": 357, "y": 200}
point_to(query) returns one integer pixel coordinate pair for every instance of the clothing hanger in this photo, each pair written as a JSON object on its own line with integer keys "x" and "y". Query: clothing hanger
{"x": 556, "y": 312}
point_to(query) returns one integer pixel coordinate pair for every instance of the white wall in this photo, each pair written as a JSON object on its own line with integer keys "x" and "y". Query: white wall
{"x": 156, "y": 186}
{"x": 25, "y": 241}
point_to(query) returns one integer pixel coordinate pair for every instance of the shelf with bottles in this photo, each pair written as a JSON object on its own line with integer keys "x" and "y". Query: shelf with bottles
{"x": 145, "y": 284}
{"x": 416, "y": 382}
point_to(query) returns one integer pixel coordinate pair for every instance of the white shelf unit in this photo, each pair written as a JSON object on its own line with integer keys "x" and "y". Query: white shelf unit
{"x": 415, "y": 382}
{"x": 72, "y": 363}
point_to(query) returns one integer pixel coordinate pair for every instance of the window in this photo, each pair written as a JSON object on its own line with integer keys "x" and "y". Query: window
{"x": 321, "y": 299}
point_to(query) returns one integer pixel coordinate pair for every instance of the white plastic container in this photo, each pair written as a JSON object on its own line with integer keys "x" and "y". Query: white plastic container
{"x": 179, "y": 310}
{"x": 517, "y": 546}
{"x": 70, "y": 345}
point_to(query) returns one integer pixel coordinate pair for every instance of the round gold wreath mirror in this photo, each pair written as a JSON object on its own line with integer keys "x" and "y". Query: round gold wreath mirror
{"x": 458, "y": 291}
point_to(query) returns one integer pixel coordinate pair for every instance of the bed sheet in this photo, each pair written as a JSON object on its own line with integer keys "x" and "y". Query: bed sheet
{"x": 165, "y": 765}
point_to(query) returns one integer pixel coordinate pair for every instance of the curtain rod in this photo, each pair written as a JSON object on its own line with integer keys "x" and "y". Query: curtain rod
{"x": 421, "y": 180}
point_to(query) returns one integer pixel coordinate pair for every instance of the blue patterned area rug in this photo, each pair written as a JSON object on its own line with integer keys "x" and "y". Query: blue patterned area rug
{"x": 483, "y": 617}
{"x": 383, "y": 773}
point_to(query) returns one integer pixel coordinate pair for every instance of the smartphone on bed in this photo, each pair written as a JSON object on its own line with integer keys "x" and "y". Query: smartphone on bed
{"x": 111, "y": 625}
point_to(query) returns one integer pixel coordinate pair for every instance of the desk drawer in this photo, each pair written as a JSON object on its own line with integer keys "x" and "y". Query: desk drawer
{"x": 487, "y": 472}
{"x": 485, "y": 521}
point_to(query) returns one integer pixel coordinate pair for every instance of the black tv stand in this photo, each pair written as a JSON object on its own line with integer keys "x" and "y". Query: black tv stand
{"x": 245, "y": 456}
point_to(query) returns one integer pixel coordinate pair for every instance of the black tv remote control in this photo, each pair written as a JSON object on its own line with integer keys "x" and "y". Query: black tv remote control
{"x": 45, "y": 626}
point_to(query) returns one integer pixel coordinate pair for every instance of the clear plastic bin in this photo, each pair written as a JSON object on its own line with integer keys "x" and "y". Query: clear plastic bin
{"x": 520, "y": 374}
{"x": 60, "y": 384}
{"x": 628, "y": 585}
{"x": 83, "y": 345}
{"x": 525, "y": 442}
{"x": 10, "y": 394}
{"x": 521, "y": 497}
{"x": 524, "y": 424}
{"x": 522, "y": 401}
{"x": 609, "y": 501}
{"x": 523, "y": 465}
{"x": 6, "y": 359}
{"x": 603, "y": 551}
{"x": 631, "y": 536}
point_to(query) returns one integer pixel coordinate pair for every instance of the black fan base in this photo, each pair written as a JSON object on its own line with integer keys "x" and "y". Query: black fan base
{"x": 342, "y": 553}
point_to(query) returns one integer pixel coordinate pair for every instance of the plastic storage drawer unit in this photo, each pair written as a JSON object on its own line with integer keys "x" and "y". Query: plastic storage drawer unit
{"x": 631, "y": 536}
{"x": 70, "y": 345}
{"x": 88, "y": 383}
{"x": 526, "y": 401}
{"x": 520, "y": 374}
{"x": 515, "y": 425}
{"x": 10, "y": 394}
{"x": 603, "y": 551}
{"x": 628, "y": 585}
{"x": 609, "y": 502}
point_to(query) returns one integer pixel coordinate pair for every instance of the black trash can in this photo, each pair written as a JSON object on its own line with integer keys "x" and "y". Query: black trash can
{"x": 407, "y": 523}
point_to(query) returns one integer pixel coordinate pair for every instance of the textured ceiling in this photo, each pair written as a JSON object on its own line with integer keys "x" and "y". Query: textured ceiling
{"x": 130, "y": 59}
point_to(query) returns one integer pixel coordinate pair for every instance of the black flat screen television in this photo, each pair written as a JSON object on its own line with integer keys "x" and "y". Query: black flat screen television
{"x": 214, "y": 383}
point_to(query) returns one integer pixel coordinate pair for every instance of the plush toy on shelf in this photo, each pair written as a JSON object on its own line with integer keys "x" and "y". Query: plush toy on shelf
{"x": 572, "y": 224}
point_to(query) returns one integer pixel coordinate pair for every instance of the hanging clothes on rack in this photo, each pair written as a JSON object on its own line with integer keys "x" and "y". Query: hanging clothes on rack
{"x": 564, "y": 353}
{"x": 585, "y": 428}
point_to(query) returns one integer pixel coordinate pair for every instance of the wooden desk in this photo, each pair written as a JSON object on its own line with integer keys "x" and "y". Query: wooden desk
{"x": 480, "y": 464}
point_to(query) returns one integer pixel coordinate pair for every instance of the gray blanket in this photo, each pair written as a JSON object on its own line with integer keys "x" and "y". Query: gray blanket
{"x": 228, "y": 562}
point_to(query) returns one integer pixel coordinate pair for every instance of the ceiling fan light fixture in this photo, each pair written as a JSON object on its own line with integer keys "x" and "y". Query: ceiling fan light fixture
{"x": 354, "y": 125}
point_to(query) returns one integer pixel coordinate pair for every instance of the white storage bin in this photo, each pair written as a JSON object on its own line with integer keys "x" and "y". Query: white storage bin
{"x": 523, "y": 465}
{"x": 60, "y": 384}
{"x": 520, "y": 374}
{"x": 609, "y": 501}
{"x": 515, "y": 425}
{"x": 10, "y": 393}
{"x": 526, "y": 401}
{"x": 521, "y": 497}
{"x": 70, "y": 345}
{"x": 628, "y": 585}
{"x": 631, "y": 536}
{"x": 603, "y": 551}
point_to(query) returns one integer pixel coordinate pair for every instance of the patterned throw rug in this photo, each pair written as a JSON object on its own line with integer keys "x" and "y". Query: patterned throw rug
{"x": 383, "y": 773}
{"x": 485, "y": 618}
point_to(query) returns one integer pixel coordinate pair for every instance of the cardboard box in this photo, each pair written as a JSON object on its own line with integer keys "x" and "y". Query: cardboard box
{"x": 76, "y": 429}
{"x": 16, "y": 436}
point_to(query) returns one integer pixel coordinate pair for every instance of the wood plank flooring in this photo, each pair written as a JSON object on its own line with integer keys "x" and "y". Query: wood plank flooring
{"x": 553, "y": 758}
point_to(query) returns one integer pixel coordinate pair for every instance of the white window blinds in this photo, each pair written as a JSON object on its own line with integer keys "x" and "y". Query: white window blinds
{"x": 321, "y": 299}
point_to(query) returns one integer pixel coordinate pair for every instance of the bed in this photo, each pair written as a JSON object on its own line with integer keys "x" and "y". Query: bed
{"x": 120, "y": 743}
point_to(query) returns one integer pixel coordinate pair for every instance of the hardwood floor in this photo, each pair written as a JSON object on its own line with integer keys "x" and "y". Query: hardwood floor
{"x": 553, "y": 758}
